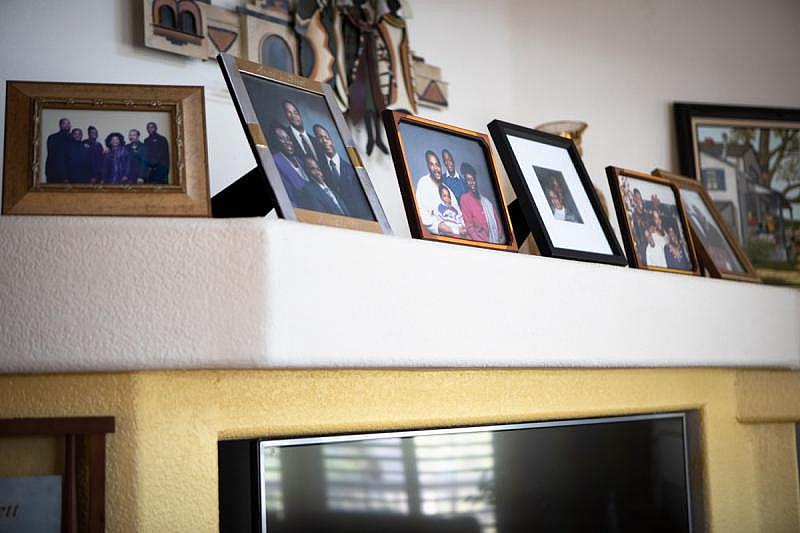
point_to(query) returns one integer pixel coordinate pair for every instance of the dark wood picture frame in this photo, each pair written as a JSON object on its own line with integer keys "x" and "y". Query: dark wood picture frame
{"x": 614, "y": 174}
{"x": 262, "y": 189}
{"x": 500, "y": 131}
{"x": 25, "y": 194}
{"x": 392, "y": 120}
{"x": 749, "y": 274}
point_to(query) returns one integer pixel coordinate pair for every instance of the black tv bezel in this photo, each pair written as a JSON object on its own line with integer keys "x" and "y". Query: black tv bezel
{"x": 690, "y": 424}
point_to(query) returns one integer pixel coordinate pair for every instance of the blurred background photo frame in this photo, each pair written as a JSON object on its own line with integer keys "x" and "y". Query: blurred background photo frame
{"x": 449, "y": 183}
{"x": 308, "y": 167}
{"x": 653, "y": 223}
{"x": 717, "y": 247}
{"x": 105, "y": 149}
{"x": 748, "y": 161}
{"x": 555, "y": 195}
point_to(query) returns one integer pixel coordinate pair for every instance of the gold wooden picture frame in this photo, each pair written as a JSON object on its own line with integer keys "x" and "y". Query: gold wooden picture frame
{"x": 124, "y": 167}
{"x": 662, "y": 243}
{"x": 716, "y": 245}
{"x": 469, "y": 208}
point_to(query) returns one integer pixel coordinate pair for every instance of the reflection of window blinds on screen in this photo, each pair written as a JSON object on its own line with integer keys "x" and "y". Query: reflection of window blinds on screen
{"x": 456, "y": 476}
{"x": 365, "y": 476}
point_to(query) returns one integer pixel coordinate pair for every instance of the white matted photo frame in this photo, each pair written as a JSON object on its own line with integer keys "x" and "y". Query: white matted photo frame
{"x": 105, "y": 149}
{"x": 555, "y": 194}
{"x": 653, "y": 222}
{"x": 449, "y": 183}
{"x": 308, "y": 167}
{"x": 717, "y": 248}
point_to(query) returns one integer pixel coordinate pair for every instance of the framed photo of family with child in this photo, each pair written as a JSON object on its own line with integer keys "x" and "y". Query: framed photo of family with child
{"x": 448, "y": 182}
{"x": 555, "y": 195}
{"x": 306, "y": 155}
{"x": 653, "y": 222}
{"x": 96, "y": 149}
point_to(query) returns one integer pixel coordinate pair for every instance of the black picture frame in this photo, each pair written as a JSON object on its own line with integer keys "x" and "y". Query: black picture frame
{"x": 262, "y": 189}
{"x": 500, "y": 131}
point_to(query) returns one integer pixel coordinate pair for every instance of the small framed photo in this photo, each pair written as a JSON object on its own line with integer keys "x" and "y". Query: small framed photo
{"x": 99, "y": 149}
{"x": 304, "y": 148}
{"x": 652, "y": 222}
{"x": 716, "y": 245}
{"x": 449, "y": 183}
{"x": 555, "y": 194}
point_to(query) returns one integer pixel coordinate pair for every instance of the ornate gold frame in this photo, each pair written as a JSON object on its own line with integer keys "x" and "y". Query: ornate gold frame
{"x": 24, "y": 194}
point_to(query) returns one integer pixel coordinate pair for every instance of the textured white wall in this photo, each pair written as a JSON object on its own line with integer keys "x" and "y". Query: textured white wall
{"x": 616, "y": 64}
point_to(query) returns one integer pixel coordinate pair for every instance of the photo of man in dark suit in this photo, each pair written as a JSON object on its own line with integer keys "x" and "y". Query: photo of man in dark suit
{"x": 318, "y": 194}
{"x": 341, "y": 176}
{"x": 156, "y": 156}
{"x": 96, "y": 152}
{"x": 55, "y": 170}
{"x": 303, "y": 142}
{"x": 77, "y": 158}
{"x": 136, "y": 154}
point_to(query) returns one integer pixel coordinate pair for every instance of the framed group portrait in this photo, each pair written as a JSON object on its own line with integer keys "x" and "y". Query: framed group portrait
{"x": 305, "y": 152}
{"x": 715, "y": 243}
{"x": 100, "y": 149}
{"x": 653, "y": 222}
{"x": 448, "y": 182}
{"x": 555, "y": 194}
{"x": 748, "y": 161}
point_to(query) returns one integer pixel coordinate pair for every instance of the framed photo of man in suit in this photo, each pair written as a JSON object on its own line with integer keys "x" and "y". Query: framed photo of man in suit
{"x": 449, "y": 183}
{"x": 308, "y": 166}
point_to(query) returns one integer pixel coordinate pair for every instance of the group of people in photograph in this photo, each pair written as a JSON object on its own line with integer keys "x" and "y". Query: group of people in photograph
{"x": 315, "y": 175}
{"x": 73, "y": 159}
{"x": 657, "y": 239}
{"x": 450, "y": 203}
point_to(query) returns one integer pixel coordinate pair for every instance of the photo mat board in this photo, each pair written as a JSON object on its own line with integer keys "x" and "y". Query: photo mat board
{"x": 652, "y": 221}
{"x": 556, "y": 195}
{"x": 147, "y": 159}
{"x": 53, "y": 166}
{"x": 449, "y": 183}
{"x": 716, "y": 245}
{"x": 305, "y": 152}
{"x": 748, "y": 161}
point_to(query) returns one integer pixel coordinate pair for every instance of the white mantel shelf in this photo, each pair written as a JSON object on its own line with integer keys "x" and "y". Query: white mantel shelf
{"x": 104, "y": 294}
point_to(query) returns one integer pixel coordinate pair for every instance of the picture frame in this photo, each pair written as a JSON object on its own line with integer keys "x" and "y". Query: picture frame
{"x": 715, "y": 243}
{"x": 661, "y": 243}
{"x": 464, "y": 204}
{"x": 56, "y": 172}
{"x": 546, "y": 171}
{"x": 293, "y": 174}
{"x": 748, "y": 160}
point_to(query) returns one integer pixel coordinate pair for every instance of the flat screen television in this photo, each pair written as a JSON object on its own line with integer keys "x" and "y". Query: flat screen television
{"x": 614, "y": 474}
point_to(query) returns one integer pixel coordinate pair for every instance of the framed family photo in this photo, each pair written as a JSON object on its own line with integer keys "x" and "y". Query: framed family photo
{"x": 716, "y": 245}
{"x": 99, "y": 149}
{"x": 556, "y": 195}
{"x": 306, "y": 155}
{"x": 652, "y": 222}
{"x": 748, "y": 161}
{"x": 448, "y": 182}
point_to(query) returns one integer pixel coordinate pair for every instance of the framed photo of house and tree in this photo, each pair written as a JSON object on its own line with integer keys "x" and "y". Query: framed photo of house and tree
{"x": 556, "y": 195}
{"x": 449, "y": 183}
{"x": 308, "y": 167}
{"x": 748, "y": 160}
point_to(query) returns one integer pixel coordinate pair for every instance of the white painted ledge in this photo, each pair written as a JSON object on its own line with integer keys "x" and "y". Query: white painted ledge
{"x": 99, "y": 294}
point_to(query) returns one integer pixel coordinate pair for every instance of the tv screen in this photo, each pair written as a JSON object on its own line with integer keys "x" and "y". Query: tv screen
{"x": 616, "y": 474}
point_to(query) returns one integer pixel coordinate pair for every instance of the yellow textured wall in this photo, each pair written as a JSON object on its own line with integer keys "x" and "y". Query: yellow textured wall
{"x": 162, "y": 464}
